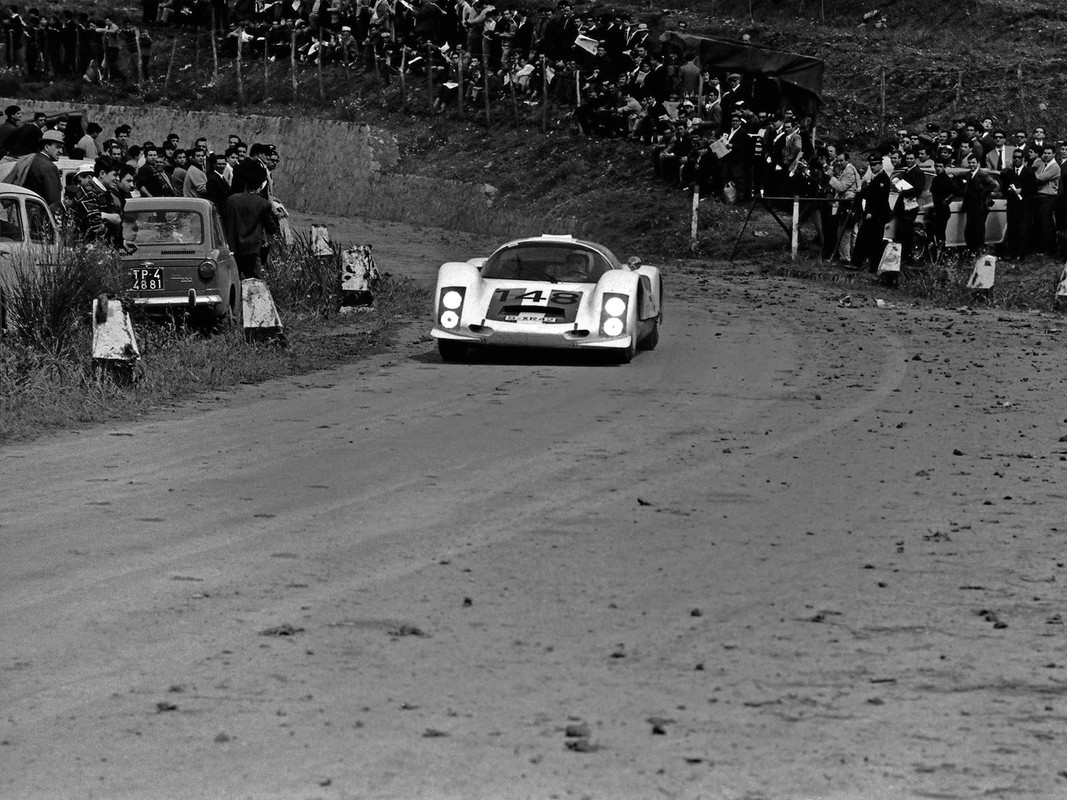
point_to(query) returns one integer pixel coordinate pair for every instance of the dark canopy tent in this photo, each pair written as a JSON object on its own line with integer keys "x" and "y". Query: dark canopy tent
{"x": 799, "y": 78}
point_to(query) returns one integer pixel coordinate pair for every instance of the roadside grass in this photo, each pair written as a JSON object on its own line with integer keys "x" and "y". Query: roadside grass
{"x": 44, "y": 388}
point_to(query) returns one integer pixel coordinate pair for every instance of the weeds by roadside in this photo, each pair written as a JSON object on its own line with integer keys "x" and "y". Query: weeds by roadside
{"x": 48, "y": 379}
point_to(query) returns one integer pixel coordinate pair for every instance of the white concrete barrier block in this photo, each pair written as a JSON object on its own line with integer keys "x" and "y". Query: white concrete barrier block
{"x": 113, "y": 337}
{"x": 258, "y": 305}
{"x": 1061, "y": 287}
{"x": 984, "y": 273}
{"x": 359, "y": 277}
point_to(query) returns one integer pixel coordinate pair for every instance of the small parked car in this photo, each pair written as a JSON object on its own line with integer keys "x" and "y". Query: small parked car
{"x": 181, "y": 264}
{"x": 26, "y": 225}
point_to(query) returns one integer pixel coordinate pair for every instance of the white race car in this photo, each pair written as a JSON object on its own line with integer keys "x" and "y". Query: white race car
{"x": 548, "y": 291}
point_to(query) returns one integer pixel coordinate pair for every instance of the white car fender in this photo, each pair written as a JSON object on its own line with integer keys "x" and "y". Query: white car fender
{"x": 652, "y": 297}
{"x": 619, "y": 281}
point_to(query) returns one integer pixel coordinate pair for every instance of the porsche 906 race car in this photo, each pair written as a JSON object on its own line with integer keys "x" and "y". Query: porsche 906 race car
{"x": 548, "y": 291}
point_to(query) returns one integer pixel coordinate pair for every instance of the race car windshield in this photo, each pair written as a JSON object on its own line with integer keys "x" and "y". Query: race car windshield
{"x": 546, "y": 262}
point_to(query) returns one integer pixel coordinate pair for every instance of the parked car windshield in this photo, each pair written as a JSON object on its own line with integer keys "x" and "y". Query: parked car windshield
{"x": 163, "y": 227}
{"x": 10, "y": 221}
{"x": 546, "y": 261}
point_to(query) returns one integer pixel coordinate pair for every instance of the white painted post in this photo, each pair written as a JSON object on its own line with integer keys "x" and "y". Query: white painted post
{"x": 693, "y": 223}
{"x": 795, "y": 245}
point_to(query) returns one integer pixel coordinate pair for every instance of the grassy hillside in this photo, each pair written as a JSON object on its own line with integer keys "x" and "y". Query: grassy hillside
{"x": 888, "y": 63}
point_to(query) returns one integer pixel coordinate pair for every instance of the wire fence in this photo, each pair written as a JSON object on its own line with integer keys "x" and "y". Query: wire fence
{"x": 1015, "y": 96}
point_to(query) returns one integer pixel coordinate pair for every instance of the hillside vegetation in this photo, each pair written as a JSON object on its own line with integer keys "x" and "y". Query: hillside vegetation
{"x": 888, "y": 63}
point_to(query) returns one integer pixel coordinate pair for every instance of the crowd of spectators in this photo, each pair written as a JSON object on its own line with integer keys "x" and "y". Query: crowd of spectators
{"x": 726, "y": 134}
{"x": 238, "y": 180}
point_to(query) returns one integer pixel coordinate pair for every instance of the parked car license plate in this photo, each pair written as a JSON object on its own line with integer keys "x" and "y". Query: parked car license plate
{"x": 147, "y": 279}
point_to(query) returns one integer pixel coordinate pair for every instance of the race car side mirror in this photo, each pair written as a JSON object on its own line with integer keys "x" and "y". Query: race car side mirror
{"x": 633, "y": 262}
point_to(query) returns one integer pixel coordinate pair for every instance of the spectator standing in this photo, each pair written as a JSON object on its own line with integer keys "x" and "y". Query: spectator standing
{"x": 28, "y": 138}
{"x": 1047, "y": 176}
{"x": 249, "y": 219}
{"x": 910, "y": 186}
{"x": 151, "y": 180}
{"x": 9, "y": 128}
{"x": 195, "y": 183}
{"x": 977, "y": 188}
{"x": 999, "y": 157}
{"x": 874, "y": 197}
{"x": 87, "y": 144}
{"x": 845, "y": 183}
{"x": 218, "y": 189}
{"x": 94, "y": 216}
{"x": 942, "y": 190}
{"x": 43, "y": 174}
{"x": 1018, "y": 183}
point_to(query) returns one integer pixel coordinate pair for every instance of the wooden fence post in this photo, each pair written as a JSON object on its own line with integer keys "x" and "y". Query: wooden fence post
{"x": 514, "y": 99}
{"x": 429, "y": 77}
{"x": 881, "y": 82}
{"x": 485, "y": 77}
{"x": 196, "y": 55}
{"x": 544, "y": 95}
{"x": 459, "y": 89}
{"x": 140, "y": 58}
{"x": 170, "y": 64}
{"x": 322, "y": 86}
{"x": 214, "y": 51}
{"x": 292, "y": 61}
{"x": 240, "y": 81}
{"x": 266, "y": 74}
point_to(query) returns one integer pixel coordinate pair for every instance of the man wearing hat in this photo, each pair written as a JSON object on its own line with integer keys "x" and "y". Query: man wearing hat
{"x": 43, "y": 174}
{"x": 89, "y": 204}
{"x": 874, "y": 199}
{"x": 9, "y": 128}
{"x": 731, "y": 96}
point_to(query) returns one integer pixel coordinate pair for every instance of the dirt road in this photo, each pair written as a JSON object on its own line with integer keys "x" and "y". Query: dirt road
{"x": 801, "y": 550}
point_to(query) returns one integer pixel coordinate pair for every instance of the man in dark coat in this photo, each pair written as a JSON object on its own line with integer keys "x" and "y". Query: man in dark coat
{"x": 874, "y": 197}
{"x": 249, "y": 219}
{"x": 910, "y": 184}
{"x": 977, "y": 188}
{"x": 1018, "y": 183}
{"x": 43, "y": 174}
{"x": 9, "y": 128}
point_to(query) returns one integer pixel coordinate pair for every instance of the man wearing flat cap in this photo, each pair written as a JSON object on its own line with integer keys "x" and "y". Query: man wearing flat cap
{"x": 43, "y": 174}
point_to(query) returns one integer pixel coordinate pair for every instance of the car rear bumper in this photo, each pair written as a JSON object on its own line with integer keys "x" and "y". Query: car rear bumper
{"x": 176, "y": 301}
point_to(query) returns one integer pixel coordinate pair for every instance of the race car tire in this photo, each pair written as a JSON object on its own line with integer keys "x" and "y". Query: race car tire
{"x": 652, "y": 338}
{"x": 627, "y": 355}
{"x": 451, "y": 351}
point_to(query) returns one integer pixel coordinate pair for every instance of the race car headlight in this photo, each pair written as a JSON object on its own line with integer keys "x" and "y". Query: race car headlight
{"x": 613, "y": 315}
{"x": 615, "y": 306}
{"x": 450, "y": 306}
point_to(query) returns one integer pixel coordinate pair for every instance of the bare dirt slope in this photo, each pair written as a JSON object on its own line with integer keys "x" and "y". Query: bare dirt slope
{"x": 801, "y": 550}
